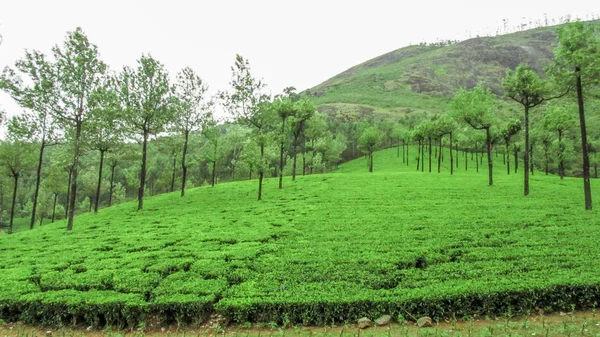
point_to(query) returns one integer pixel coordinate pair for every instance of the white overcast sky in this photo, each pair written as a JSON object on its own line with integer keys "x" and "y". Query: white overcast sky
{"x": 288, "y": 43}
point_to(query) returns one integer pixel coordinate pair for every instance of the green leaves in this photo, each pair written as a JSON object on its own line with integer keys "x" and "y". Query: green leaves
{"x": 525, "y": 86}
{"x": 475, "y": 107}
{"x": 578, "y": 51}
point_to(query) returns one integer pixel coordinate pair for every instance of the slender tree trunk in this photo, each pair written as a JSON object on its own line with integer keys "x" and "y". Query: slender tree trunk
{"x": 214, "y": 173}
{"x": 507, "y": 161}
{"x": 73, "y": 197}
{"x": 561, "y": 163}
{"x": 547, "y": 157}
{"x": 526, "y": 155}
{"x": 489, "y": 155}
{"x": 516, "y": 155}
{"x": 112, "y": 182}
{"x": 587, "y": 188}
{"x": 418, "y": 154}
{"x": 281, "y": 155}
{"x": 429, "y": 142}
{"x": 143, "y": 171}
{"x": 406, "y": 154}
{"x": 184, "y": 168}
{"x": 68, "y": 192}
{"x": 476, "y": 159}
{"x": 370, "y": 160}
{"x": 38, "y": 178}
{"x": 440, "y": 156}
{"x": 451, "y": 156}
{"x": 97, "y": 199}
{"x": 531, "y": 158}
{"x": 54, "y": 206}
{"x": 173, "y": 169}
{"x": 294, "y": 163}
{"x": 14, "y": 201}
{"x": 466, "y": 160}
{"x": 398, "y": 152}
{"x": 423, "y": 155}
{"x": 261, "y": 171}
{"x": 303, "y": 156}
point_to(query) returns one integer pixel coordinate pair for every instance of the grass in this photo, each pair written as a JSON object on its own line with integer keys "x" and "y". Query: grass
{"x": 326, "y": 249}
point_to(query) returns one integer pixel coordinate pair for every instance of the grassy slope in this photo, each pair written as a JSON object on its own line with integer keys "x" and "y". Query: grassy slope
{"x": 423, "y": 78}
{"x": 327, "y": 247}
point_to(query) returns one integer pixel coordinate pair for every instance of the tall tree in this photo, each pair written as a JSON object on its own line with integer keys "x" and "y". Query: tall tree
{"x": 442, "y": 126}
{"x": 369, "y": 139}
{"x": 284, "y": 108}
{"x": 38, "y": 98}
{"x": 146, "y": 97}
{"x": 251, "y": 107}
{"x": 577, "y": 63}
{"x": 475, "y": 107}
{"x": 524, "y": 86}
{"x": 510, "y": 129}
{"x": 14, "y": 156}
{"x": 191, "y": 112}
{"x": 78, "y": 72}
{"x": 103, "y": 131}
{"x": 558, "y": 119}
{"x": 305, "y": 110}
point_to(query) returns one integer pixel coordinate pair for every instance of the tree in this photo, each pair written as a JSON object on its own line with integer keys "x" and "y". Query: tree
{"x": 475, "y": 108}
{"x": 14, "y": 156}
{"x": 284, "y": 108}
{"x": 511, "y": 128}
{"x": 211, "y": 131}
{"x": 191, "y": 112}
{"x": 305, "y": 110}
{"x": 558, "y": 119}
{"x": 76, "y": 72}
{"x": 39, "y": 100}
{"x": 442, "y": 126}
{"x": 145, "y": 95}
{"x": 577, "y": 62}
{"x": 524, "y": 86}
{"x": 369, "y": 139}
{"x": 251, "y": 107}
{"x": 103, "y": 131}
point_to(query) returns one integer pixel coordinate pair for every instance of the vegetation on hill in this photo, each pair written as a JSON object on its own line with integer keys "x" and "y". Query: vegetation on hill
{"x": 327, "y": 248}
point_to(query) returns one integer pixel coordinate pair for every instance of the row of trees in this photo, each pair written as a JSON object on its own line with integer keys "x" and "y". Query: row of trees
{"x": 576, "y": 64}
{"x": 72, "y": 101}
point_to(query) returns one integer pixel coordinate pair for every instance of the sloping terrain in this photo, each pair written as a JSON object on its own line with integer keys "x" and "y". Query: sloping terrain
{"x": 331, "y": 247}
{"x": 423, "y": 78}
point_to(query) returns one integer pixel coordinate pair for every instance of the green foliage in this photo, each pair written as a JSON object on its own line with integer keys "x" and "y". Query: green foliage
{"x": 474, "y": 107}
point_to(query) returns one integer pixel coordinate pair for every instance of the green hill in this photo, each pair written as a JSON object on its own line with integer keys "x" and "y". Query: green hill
{"x": 327, "y": 248}
{"x": 422, "y": 78}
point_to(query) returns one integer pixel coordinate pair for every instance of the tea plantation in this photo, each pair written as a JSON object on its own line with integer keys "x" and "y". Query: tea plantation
{"x": 327, "y": 248}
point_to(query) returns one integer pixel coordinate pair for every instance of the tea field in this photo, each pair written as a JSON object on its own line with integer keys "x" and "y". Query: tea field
{"x": 327, "y": 248}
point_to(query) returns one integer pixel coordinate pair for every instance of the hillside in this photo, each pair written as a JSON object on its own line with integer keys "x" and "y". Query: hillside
{"x": 327, "y": 248}
{"x": 422, "y": 78}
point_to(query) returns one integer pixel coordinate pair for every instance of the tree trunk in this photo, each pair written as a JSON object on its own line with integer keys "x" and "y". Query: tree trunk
{"x": 295, "y": 149}
{"x": 112, "y": 182}
{"x": 407, "y": 154}
{"x": 214, "y": 171}
{"x": 490, "y": 160}
{"x": 174, "y": 168}
{"x": 184, "y": 165}
{"x": 371, "y": 161}
{"x": 38, "y": 178}
{"x": 429, "y": 139}
{"x": 451, "y": 156}
{"x": 73, "y": 197}
{"x": 68, "y": 192}
{"x": 476, "y": 159}
{"x": 423, "y": 155}
{"x": 281, "y": 155}
{"x": 507, "y": 158}
{"x": 143, "y": 171}
{"x": 547, "y": 157}
{"x": 466, "y": 161}
{"x": 457, "y": 156}
{"x": 398, "y": 152}
{"x": 526, "y": 155}
{"x": 440, "y": 156}
{"x": 304, "y": 156}
{"x": 516, "y": 155}
{"x": 531, "y": 158}
{"x": 561, "y": 163}
{"x": 418, "y": 154}
{"x": 14, "y": 202}
{"x": 587, "y": 189}
{"x": 54, "y": 206}
{"x": 261, "y": 171}
{"x": 97, "y": 199}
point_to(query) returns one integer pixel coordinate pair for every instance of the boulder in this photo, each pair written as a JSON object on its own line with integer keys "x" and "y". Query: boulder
{"x": 383, "y": 320}
{"x": 364, "y": 323}
{"x": 424, "y": 322}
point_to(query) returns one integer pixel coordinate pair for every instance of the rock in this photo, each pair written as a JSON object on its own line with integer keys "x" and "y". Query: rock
{"x": 364, "y": 323}
{"x": 563, "y": 313}
{"x": 48, "y": 333}
{"x": 424, "y": 322}
{"x": 383, "y": 320}
{"x": 89, "y": 328}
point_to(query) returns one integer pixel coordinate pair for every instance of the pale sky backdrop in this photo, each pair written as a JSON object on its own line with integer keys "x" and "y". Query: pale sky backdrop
{"x": 288, "y": 43}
